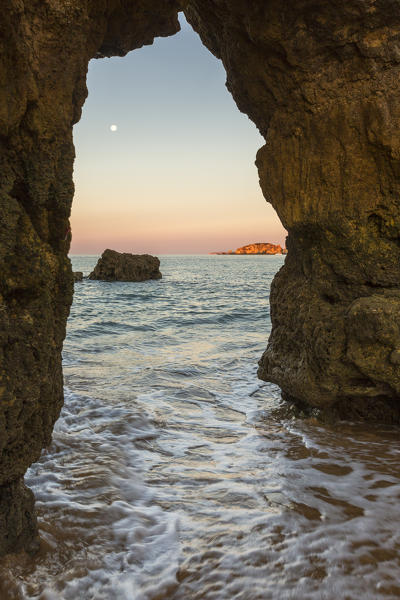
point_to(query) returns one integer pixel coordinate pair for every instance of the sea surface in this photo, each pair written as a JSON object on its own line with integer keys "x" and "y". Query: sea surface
{"x": 172, "y": 475}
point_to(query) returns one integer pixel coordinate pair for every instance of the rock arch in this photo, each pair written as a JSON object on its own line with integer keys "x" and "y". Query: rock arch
{"x": 320, "y": 80}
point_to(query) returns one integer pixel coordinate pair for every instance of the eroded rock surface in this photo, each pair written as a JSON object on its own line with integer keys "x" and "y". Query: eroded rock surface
{"x": 122, "y": 266}
{"x": 44, "y": 52}
{"x": 320, "y": 80}
{"x": 17, "y": 519}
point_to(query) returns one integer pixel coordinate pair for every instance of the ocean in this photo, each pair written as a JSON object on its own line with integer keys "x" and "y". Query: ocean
{"x": 172, "y": 475}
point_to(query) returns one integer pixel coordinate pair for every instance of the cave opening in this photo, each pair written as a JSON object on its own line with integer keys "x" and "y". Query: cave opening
{"x": 165, "y": 164}
{"x": 322, "y": 86}
{"x": 164, "y": 159}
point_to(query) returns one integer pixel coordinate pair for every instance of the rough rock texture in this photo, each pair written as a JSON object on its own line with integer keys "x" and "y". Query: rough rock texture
{"x": 17, "y": 518}
{"x": 45, "y": 47}
{"x": 320, "y": 80}
{"x": 77, "y": 275}
{"x": 256, "y": 248}
{"x": 122, "y": 266}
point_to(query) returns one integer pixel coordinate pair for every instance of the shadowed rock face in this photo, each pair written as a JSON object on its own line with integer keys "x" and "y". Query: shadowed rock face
{"x": 122, "y": 266}
{"x": 320, "y": 80}
{"x": 44, "y": 48}
{"x": 78, "y": 276}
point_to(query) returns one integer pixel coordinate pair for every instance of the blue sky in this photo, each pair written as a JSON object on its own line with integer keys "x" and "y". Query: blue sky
{"x": 178, "y": 174}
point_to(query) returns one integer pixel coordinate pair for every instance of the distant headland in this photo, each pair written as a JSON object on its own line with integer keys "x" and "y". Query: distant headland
{"x": 257, "y": 248}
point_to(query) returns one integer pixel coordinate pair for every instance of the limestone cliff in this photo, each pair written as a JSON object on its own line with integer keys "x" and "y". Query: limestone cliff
{"x": 320, "y": 80}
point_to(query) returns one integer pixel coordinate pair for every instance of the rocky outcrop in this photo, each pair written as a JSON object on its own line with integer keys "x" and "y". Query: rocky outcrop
{"x": 257, "y": 248}
{"x": 45, "y": 48}
{"x": 78, "y": 276}
{"x": 320, "y": 80}
{"x": 260, "y": 248}
{"x": 122, "y": 266}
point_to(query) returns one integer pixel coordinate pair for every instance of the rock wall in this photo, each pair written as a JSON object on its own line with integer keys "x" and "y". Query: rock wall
{"x": 45, "y": 47}
{"x": 320, "y": 81}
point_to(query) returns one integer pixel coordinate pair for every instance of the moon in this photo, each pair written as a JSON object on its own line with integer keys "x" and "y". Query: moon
{"x": 113, "y": 127}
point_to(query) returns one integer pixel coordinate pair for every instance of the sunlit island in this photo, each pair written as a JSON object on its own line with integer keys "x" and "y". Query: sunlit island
{"x": 256, "y": 248}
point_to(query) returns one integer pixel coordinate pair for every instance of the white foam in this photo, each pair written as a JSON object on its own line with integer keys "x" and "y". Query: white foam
{"x": 168, "y": 477}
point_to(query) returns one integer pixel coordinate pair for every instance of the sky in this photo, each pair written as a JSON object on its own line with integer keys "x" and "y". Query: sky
{"x": 164, "y": 159}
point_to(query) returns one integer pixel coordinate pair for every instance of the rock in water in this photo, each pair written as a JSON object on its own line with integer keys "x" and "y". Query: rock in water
{"x": 257, "y": 248}
{"x": 122, "y": 266}
{"x": 260, "y": 248}
{"x": 78, "y": 275}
